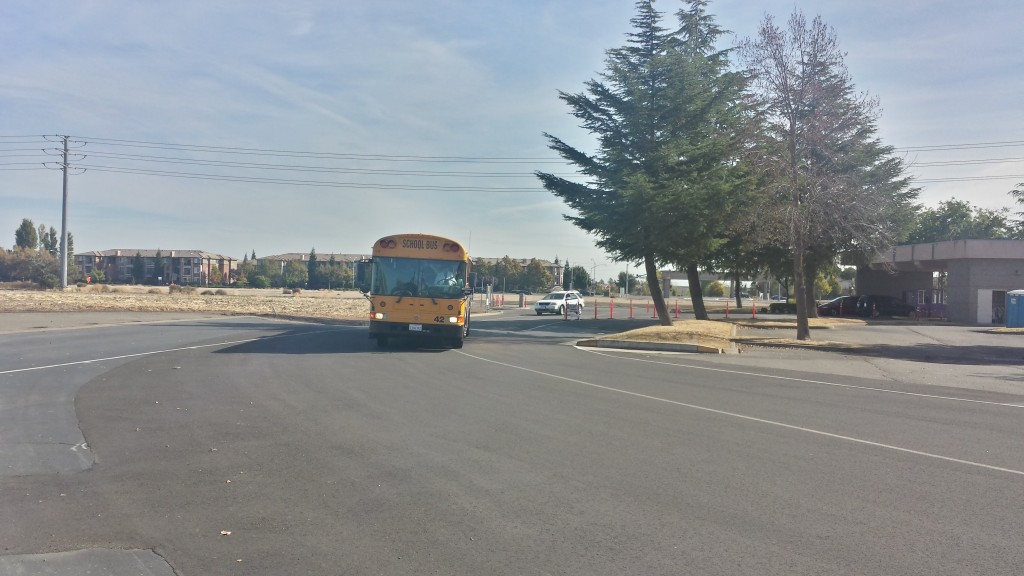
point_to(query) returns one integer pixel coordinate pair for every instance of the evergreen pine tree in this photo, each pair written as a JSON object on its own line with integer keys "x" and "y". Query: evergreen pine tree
{"x": 313, "y": 271}
{"x": 666, "y": 113}
{"x": 26, "y": 236}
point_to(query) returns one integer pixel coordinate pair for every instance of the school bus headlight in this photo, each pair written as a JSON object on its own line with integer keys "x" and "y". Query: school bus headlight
{"x": 453, "y": 320}
{"x": 379, "y": 316}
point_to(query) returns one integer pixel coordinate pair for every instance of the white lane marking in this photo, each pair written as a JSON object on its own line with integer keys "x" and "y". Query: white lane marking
{"x": 539, "y": 327}
{"x": 806, "y": 380}
{"x": 121, "y": 324}
{"x": 123, "y": 356}
{"x": 151, "y": 352}
{"x": 754, "y": 418}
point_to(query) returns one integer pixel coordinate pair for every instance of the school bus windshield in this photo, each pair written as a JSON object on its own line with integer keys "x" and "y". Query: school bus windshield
{"x": 418, "y": 277}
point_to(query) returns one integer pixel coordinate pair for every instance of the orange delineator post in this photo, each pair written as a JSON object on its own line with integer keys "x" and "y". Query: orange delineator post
{"x": 611, "y": 309}
{"x": 595, "y": 310}
{"x": 753, "y": 310}
{"x": 630, "y": 309}
{"x": 677, "y": 308}
{"x": 726, "y": 309}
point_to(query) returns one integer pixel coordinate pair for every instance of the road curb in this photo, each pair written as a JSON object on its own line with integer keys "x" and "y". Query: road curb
{"x": 655, "y": 346}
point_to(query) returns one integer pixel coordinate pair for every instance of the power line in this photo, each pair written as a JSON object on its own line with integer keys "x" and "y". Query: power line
{"x": 20, "y": 152}
{"x": 971, "y": 146}
{"x": 941, "y": 163}
{"x": 968, "y": 179}
{"x": 306, "y": 154}
{"x": 305, "y": 168}
{"x": 32, "y": 138}
{"x": 312, "y": 183}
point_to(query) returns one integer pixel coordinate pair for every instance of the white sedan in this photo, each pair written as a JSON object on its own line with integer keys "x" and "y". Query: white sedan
{"x": 556, "y": 302}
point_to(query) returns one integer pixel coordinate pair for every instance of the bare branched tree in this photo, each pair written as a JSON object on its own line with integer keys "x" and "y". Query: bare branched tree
{"x": 831, "y": 186}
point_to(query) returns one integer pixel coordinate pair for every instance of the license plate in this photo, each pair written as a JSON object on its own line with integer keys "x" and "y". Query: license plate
{"x": 415, "y": 327}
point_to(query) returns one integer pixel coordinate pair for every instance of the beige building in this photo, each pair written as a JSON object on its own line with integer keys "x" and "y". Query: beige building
{"x": 161, "y": 266}
{"x": 963, "y": 280}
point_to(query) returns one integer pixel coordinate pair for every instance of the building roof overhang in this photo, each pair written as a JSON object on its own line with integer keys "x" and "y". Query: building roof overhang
{"x": 936, "y": 256}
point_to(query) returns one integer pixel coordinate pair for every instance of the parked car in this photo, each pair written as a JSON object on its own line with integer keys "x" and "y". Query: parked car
{"x": 556, "y": 302}
{"x": 841, "y": 306}
{"x": 874, "y": 304}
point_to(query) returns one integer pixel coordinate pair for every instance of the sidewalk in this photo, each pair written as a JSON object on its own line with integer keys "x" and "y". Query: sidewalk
{"x": 965, "y": 357}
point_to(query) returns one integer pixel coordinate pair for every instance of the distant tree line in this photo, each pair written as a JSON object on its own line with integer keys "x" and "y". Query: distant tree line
{"x": 311, "y": 274}
{"x": 35, "y": 256}
{"x": 509, "y": 276}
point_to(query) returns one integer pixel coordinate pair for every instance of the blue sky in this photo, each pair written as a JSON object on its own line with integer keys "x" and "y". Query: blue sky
{"x": 387, "y": 94}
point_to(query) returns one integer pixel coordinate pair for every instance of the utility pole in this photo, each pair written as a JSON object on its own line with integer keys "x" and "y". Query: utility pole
{"x": 64, "y": 220}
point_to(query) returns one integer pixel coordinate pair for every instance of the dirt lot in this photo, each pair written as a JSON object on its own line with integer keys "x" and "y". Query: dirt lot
{"x": 310, "y": 304}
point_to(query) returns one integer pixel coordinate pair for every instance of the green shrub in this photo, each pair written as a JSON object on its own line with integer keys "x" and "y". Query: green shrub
{"x": 715, "y": 289}
{"x": 259, "y": 281}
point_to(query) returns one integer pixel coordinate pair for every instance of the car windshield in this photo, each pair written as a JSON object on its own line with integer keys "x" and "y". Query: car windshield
{"x": 418, "y": 277}
{"x": 555, "y": 296}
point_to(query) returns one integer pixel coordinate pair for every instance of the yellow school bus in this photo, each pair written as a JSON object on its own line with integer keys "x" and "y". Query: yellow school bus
{"x": 418, "y": 288}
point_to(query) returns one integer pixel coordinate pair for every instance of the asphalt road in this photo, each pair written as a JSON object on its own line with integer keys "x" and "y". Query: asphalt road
{"x": 246, "y": 446}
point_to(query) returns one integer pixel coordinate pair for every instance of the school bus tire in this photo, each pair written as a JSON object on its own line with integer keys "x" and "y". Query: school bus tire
{"x": 459, "y": 340}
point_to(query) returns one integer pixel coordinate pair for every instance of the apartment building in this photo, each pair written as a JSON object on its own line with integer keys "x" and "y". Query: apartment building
{"x": 195, "y": 267}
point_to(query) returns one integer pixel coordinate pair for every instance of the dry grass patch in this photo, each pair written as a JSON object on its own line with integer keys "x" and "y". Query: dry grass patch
{"x": 1005, "y": 331}
{"x": 827, "y": 323}
{"x": 330, "y": 306}
{"x": 791, "y": 323}
{"x": 722, "y": 334}
{"x": 761, "y": 342}
{"x": 703, "y": 332}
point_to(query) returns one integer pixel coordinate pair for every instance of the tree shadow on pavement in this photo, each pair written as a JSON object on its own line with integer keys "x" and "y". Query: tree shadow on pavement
{"x": 327, "y": 341}
{"x": 943, "y": 354}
